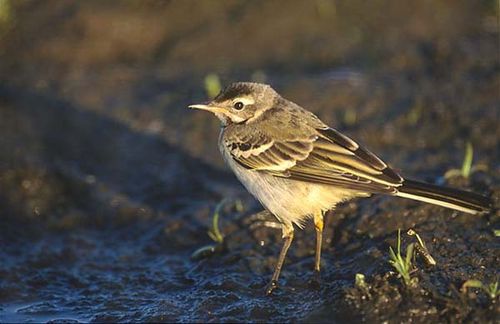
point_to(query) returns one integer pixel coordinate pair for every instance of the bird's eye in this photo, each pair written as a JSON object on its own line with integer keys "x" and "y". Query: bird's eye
{"x": 238, "y": 105}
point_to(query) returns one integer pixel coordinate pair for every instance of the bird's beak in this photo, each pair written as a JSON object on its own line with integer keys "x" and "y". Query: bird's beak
{"x": 200, "y": 106}
{"x": 207, "y": 107}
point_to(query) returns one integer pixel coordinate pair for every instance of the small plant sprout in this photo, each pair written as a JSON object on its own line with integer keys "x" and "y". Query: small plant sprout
{"x": 6, "y": 13}
{"x": 403, "y": 265}
{"x": 212, "y": 85}
{"x": 415, "y": 113}
{"x": 238, "y": 204}
{"x": 467, "y": 167}
{"x": 359, "y": 281}
{"x": 467, "y": 164}
{"x": 422, "y": 249}
{"x": 215, "y": 233}
{"x": 350, "y": 117}
{"x": 496, "y": 232}
{"x": 491, "y": 290}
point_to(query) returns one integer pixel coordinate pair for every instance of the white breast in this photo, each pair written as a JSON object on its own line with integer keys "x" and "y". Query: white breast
{"x": 290, "y": 201}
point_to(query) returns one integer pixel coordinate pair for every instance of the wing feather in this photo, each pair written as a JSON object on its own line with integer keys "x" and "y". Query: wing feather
{"x": 328, "y": 157}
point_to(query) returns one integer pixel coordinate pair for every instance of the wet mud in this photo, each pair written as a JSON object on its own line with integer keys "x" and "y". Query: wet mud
{"x": 108, "y": 184}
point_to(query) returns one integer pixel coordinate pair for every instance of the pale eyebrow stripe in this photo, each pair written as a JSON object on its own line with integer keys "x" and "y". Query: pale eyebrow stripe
{"x": 244, "y": 100}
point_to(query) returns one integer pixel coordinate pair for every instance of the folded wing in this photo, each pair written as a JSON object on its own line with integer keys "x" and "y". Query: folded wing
{"x": 325, "y": 157}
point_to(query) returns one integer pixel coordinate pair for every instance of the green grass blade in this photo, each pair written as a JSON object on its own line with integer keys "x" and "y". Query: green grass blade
{"x": 399, "y": 241}
{"x": 493, "y": 290}
{"x": 215, "y": 233}
{"x": 409, "y": 255}
{"x": 472, "y": 284}
{"x": 467, "y": 164}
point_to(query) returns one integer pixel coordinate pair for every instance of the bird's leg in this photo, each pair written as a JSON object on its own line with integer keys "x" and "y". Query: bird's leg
{"x": 287, "y": 241}
{"x": 318, "y": 224}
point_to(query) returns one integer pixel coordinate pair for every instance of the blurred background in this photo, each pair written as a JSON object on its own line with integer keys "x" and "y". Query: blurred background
{"x": 108, "y": 182}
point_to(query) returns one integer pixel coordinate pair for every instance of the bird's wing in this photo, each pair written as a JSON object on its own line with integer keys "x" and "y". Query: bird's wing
{"x": 326, "y": 156}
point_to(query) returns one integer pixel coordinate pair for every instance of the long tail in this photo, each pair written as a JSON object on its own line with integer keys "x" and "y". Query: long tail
{"x": 447, "y": 197}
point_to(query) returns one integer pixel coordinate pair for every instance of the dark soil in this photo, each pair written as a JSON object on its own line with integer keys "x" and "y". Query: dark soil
{"x": 108, "y": 183}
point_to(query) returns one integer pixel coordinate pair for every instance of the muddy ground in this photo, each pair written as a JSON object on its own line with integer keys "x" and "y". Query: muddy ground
{"x": 108, "y": 183}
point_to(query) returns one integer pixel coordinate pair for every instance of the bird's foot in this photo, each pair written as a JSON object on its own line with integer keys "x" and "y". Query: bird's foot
{"x": 273, "y": 285}
{"x": 315, "y": 282}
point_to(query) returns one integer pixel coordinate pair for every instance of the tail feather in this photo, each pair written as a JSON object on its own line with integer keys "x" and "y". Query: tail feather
{"x": 447, "y": 197}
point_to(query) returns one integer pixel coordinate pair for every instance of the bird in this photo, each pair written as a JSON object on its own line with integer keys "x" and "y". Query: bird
{"x": 299, "y": 168}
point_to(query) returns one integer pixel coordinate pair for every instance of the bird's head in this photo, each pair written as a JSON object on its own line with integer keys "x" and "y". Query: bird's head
{"x": 241, "y": 102}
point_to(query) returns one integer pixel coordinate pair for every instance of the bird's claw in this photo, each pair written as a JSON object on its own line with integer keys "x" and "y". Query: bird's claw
{"x": 273, "y": 285}
{"x": 315, "y": 281}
